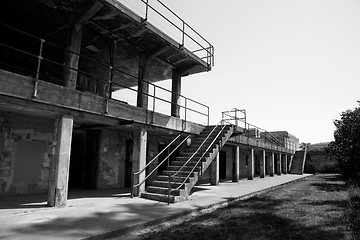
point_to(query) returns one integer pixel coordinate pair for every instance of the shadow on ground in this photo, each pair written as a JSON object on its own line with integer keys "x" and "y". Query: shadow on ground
{"x": 269, "y": 216}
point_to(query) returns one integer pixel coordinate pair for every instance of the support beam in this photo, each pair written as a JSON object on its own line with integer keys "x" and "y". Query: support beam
{"x": 251, "y": 164}
{"x": 214, "y": 171}
{"x": 262, "y": 164}
{"x": 143, "y": 85}
{"x": 272, "y": 164}
{"x": 285, "y": 164}
{"x": 236, "y": 164}
{"x": 74, "y": 45}
{"x": 72, "y": 56}
{"x": 175, "y": 93}
{"x": 139, "y": 157}
{"x": 242, "y": 164}
{"x": 278, "y": 165}
{"x": 60, "y": 164}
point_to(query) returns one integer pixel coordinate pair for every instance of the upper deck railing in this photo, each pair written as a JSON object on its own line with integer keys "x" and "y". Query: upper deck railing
{"x": 29, "y": 55}
{"x": 155, "y": 11}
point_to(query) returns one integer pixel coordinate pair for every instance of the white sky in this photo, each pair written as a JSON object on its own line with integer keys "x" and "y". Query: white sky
{"x": 293, "y": 65}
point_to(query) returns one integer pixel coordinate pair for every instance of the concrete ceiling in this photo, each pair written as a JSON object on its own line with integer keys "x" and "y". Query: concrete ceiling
{"x": 50, "y": 19}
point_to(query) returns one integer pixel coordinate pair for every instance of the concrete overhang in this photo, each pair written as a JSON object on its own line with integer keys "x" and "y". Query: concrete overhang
{"x": 135, "y": 37}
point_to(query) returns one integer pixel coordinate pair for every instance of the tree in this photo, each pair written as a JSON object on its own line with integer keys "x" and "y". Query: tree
{"x": 345, "y": 149}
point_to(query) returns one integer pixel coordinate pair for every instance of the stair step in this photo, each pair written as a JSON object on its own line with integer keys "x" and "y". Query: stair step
{"x": 165, "y": 184}
{"x": 161, "y": 190}
{"x": 179, "y": 174}
{"x": 159, "y": 197}
{"x": 185, "y": 168}
{"x": 179, "y": 179}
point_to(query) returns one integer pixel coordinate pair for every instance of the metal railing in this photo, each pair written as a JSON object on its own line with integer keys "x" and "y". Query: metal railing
{"x": 134, "y": 186}
{"x": 204, "y": 50}
{"x": 40, "y": 59}
{"x": 202, "y": 152}
{"x": 238, "y": 118}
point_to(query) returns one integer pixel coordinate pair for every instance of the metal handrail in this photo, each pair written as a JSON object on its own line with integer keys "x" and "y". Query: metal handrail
{"x": 159, "y": 164}
{"x": 235, "y": 118}
{"x": 107, "y": 83}
{"x": 209, "y": 50}
{"x": 191, "y": 157}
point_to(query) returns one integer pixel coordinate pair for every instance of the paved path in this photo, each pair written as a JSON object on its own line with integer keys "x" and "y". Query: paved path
{"x": 99, "y": 212}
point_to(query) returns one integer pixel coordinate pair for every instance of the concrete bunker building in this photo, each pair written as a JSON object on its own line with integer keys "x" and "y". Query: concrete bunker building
{"x": 65, "y": 69}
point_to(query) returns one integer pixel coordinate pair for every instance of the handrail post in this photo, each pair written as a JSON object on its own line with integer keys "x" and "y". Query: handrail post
{"x": 42, "y": 41}
{"x": 132, "y": 186}
{"x": 146, "y": 10}
{"x": 169, "y": 190}
{"x": 183, "y": 34}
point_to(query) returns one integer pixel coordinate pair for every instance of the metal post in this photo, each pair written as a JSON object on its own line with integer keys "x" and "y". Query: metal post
{"x": 146, "y": 10}
{"x": 154, "y": 98}
{"x": 42, "y": 41}
{"x": 185, "y": 110}
{"x": 169, "y": 190}
{"x": 183, "y": 34}
{"x": 208, "y": 116}
{"x": 132, "y": 186}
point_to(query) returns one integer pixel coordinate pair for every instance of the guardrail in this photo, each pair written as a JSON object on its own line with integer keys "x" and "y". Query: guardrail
{"x": 237, "y": 117}
{"x": 198, "y": 44}
{"x": 29, "y": 55}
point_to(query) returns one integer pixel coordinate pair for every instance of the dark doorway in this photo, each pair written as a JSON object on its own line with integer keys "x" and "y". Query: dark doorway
{"x": 128, "y": 162}
{"x": 222, "y": 164}
{"x": 84, "y": 159}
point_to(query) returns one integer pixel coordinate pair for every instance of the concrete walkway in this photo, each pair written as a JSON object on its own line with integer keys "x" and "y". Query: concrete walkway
{"x": 94, "y": 213}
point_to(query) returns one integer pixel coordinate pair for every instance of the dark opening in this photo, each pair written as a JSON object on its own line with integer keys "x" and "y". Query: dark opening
{"x": 84, "y": 159}
{"x": 162, "y": 156}
{"x": 222, "y": 164}
{"x": 128, "y": 162}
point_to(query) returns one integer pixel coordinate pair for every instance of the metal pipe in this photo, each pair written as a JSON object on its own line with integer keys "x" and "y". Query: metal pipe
{"x": 36, "y": 84}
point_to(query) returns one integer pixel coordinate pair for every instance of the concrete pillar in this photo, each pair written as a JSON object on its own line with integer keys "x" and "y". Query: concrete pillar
{"x": 139, "y": 157}
{"x": 175, "y": 93}
{"x": 285, "y": 164}
{"x": 272, "y": 164}
{"x": 242, "y": 165}
{"x": 143, "y": 86}
{"x": 251, "y": 165}
{"x": 59, "y": 173}
{"x": 262, "y": 164}
{"x": 72, "y": 57}
{"x": 214, "y": 171}
{"x": 279, "y": 165}
{"x": 236, "y": 170}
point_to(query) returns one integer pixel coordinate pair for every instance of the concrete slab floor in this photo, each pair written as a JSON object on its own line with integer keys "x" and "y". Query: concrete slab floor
{"x": 92, "y": 213}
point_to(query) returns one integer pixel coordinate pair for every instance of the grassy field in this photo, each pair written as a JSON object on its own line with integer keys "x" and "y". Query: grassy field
{"x": 315, "y": 208}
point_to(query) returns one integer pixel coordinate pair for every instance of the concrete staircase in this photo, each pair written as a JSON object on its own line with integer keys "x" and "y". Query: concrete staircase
{"x": 298, "y": 162}
{"x": 212, "y": 139}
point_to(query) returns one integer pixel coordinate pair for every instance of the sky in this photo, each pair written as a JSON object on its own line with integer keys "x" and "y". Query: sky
{"x": 293, "y": 65}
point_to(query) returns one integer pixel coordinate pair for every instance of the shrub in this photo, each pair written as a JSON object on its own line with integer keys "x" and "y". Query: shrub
{"x": 346, "y": 147}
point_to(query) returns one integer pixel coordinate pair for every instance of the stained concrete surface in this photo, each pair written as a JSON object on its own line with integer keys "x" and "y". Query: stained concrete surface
{"x": 93, "y": 213}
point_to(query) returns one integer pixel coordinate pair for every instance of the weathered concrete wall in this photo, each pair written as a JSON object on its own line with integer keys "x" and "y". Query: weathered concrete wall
{"x": 229, "y": 161}
{"x": 111, "y": 171}
{"x": 25, "y": 153}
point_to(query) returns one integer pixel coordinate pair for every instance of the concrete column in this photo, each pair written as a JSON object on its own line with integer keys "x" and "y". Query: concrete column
{"x": 72, "y": 57}
{"x": 272, "y": 164}
{"x": 262, "y": 164}
{"x": 139, "y": 157}
{"x": 242, "y": 165}
{"x": 143, "y": 87}
{"x": 214, "y": 171}
{"x": 236, "y": 170}
{"x": 279, "y": 165}
{"x": 59, "y": 173}
{"x": 251, "y": 165}
{"x": 285, "y": 164}
{"x": 175, "y": 93}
